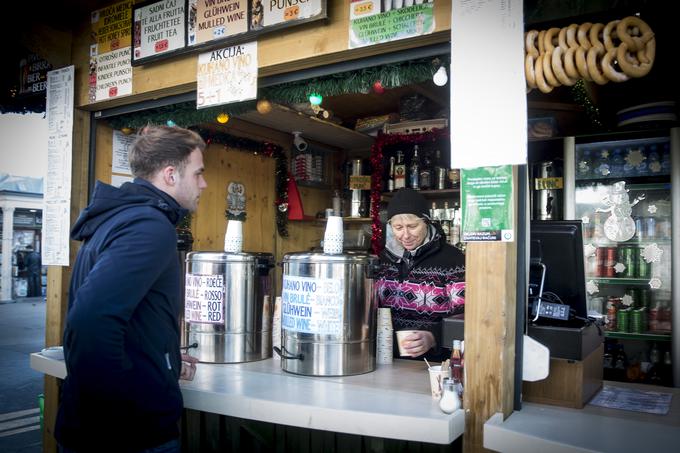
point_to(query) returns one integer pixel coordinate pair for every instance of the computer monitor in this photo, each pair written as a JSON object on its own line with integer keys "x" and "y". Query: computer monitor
{"x": 558, "y": 245}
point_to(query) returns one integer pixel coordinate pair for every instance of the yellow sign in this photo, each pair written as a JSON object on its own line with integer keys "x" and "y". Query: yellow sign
{"x": 549, "y": 183}
{"x": 360, "y": 182}
{"x": 111, "y": 26}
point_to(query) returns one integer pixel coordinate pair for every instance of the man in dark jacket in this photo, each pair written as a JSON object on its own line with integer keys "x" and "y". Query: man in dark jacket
{"x": 121, "y": 341}
{"x": 33, "y": 267}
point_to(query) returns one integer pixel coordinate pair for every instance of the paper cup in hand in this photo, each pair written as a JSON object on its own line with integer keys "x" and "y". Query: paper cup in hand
{"x": 437, "y": 376}
{"x": 333, "y": 237}
{"x": 233, "y": 239}
{"x": 401, "y": 338}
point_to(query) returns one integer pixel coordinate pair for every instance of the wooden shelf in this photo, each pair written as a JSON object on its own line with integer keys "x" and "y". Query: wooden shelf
{"x": 444, "y": 193}
{"x": 287, "y": 120}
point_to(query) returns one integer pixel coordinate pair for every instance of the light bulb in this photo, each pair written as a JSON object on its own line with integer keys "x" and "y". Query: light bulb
{"x": 440, "y": 78}
{"x": 170, "y": 123}
{"x": 222, "y": 118}
{"x": 315, "y": 99}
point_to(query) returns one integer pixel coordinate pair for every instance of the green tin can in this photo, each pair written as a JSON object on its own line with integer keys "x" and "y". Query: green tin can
{"x": 644, "y": 269}
{"x": 646, "y": 298}
{"x": 627, "y": 257}
{"x": 623, "y": 320}
{"x": 636, "y": 325}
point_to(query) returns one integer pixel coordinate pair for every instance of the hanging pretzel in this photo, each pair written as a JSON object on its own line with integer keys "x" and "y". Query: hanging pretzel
{"x": 634, "y": 32}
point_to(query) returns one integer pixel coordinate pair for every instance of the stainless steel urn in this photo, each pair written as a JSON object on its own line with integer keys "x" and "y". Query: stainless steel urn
{"x": 328, "y": 314}
{"x": 228, "y": 306}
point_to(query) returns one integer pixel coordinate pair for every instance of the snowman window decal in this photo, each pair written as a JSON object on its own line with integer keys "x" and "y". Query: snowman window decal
{"x": 619, "y": 226}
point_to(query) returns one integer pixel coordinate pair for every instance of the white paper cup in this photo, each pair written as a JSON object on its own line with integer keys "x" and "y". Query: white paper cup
{"x": 437, "y": 376}
{"x": 233, "y": 238}
{"x": 401, "y": 337}
{"x": 383, "y": 342}
{"x": 385, "y": 318}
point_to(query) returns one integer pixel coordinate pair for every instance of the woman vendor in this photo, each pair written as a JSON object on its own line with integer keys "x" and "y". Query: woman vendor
{"x": 422, "y": 277}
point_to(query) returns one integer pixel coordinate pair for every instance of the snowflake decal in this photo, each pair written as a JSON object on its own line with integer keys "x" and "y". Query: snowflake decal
{"x": 592, "y": 288}
{"x": 604, "y": 170}
{"x": 654, "y": 283}
{"x": 627, "y": 300}
{"x": 619, "y": 268}
{"x": 652, "y": 253}
{"x": 583, "y": 166}
{"x": 585, "y": 219}
{"x": 589, "y": 250}
{"x": 655, "y": 167}
{"x": 635, "y": 157}
{"x": 604, "y": 154}
{"x": 652, "y": 209}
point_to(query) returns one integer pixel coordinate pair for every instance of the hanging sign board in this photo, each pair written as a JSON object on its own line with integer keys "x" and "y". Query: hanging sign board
{"x": 487, "y": 204}
{"x": 488, "y": 93}
{"x": 164, "y": 28}
{"x": 227, "y": 75}
{"x": 374, "y": 22}
{"x": 312, "y": 305}
{"x": 110, "y": 69}
{"x": 158, "y": 27}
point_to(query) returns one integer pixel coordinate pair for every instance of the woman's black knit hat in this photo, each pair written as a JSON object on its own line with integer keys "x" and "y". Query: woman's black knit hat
{"x": 408, "y": 201}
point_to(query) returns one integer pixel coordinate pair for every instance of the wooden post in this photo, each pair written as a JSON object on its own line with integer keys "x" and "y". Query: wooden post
{"x": 490, "y": 301}
{"x": 58, "y": 278}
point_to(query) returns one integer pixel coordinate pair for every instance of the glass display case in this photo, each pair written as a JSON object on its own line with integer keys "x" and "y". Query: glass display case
{"x": 623, "y": 197}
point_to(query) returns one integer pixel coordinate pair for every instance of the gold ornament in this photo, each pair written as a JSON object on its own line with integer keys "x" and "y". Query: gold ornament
{"x": 264, "y": 106}
{"x": 126, "y": 131}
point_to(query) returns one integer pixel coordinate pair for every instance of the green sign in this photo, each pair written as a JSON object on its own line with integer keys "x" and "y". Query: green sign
{"x": 401, "y": 23}
{"x": 488, "y": 206}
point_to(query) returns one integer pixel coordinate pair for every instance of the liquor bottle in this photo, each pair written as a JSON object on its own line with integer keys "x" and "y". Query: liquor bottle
{"x": 390, "y": 175}
{"x": 414, "y": 170}
{"x": 438, "y": 171}
{"x": 456, "y": 362}
{"x": 434, "y": 215}
{"x": 456, "y": 226}
{"x": 399, "y": 171}
{"x": 446, "y": 222}
{"x": 426, "y": 172}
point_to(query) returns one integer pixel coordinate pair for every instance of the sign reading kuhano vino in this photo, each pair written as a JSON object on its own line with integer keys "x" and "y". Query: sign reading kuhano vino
{"x": 163, "y": 28}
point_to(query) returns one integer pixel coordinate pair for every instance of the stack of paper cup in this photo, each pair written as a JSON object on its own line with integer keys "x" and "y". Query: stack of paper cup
{"x": 233, "y": 238}
{"x": 276, "y": 326}
{"x": 384, "y": 338}
{"x": 333, "y": 237}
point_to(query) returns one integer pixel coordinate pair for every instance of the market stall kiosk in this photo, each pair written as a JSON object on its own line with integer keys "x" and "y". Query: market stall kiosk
{"x": 295, "y": 55}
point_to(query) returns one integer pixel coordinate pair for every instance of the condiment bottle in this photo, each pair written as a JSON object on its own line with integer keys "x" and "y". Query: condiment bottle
{"x": 450, "y": 401}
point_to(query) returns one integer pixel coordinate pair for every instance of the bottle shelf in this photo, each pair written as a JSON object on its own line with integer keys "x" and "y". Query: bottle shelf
{"x": 441, "y": 193}
{"x": 638, "y": 336}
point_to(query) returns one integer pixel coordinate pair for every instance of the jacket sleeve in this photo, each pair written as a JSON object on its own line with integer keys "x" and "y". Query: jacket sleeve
{"x": 126, "y": 268}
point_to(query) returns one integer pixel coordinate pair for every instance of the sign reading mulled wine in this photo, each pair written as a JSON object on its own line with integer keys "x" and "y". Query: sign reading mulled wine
{"x": 163, "y": 28}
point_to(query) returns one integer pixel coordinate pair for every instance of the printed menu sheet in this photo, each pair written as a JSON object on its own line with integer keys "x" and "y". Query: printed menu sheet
{"x": 56, "y": 216}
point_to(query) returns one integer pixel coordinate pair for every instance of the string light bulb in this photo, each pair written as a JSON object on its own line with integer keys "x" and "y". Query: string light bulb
{"x": 170, "y": 123}
{"x": 440, "y": 77}
{"x": 315, "y": 99}
{"x": 264, "y": 106}
{"x": 222, "y": 118}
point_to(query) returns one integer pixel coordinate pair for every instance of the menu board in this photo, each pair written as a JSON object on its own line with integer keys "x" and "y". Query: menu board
{"x": 373, "y": 23}
{"x": 110, "y": 69}
{"x": 163, "y": 28}
{"x": 158, "y": 28}
{"x": 227, "y": 75}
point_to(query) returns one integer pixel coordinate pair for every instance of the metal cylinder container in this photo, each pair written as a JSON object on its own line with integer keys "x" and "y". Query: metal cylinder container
{"x": 548, "y": 190}
{"x": 228, "y": 306}
{"x": 328, "y": 314}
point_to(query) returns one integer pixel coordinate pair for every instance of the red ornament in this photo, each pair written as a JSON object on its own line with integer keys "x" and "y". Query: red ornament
{"x": 378, "y": 87}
